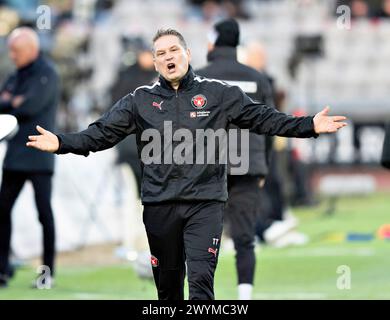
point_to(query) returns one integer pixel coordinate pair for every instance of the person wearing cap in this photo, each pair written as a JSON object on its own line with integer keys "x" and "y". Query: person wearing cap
{"x": 244, "y": 200}
{"x": 31, "y": 95}
{"x": 183, "y": 192}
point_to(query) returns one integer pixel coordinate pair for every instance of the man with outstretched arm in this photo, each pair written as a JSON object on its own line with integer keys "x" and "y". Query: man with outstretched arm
{"x": 183, "y": 200}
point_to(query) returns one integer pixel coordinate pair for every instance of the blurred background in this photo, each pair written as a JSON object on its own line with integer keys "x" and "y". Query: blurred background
{"x": 334, "y": 185}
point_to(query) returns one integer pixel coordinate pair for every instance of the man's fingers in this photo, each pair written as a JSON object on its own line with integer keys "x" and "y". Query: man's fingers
{"x": 337, "y": 126}
{"x": 41, "y": 130}
{"x": 36, "y": 144}
{"x": 339, "y": 118}
{"x": 32, "y": 138}
{"x": 33, "y": 144}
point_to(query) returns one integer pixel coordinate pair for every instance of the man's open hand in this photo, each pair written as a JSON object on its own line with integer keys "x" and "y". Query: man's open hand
{"x": 327, "y": 124}
{"x": 46, "y": 141}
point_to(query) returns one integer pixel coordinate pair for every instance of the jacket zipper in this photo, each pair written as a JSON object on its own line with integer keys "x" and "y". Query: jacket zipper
{"x": 177, "y": 108}
{"x": 177, "y": 168}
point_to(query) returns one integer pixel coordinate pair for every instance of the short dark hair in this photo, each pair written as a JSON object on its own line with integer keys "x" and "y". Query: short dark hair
{"x": 170, "y": 32}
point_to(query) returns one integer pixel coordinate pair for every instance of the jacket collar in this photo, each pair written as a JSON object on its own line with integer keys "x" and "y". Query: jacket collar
{"x": 218, "y": 53}
{"x": 185, "y": 82}
{"x": 30, "y": 67}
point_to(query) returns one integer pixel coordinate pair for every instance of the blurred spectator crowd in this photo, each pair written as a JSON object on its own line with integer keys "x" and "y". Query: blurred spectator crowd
{"x": 93, "y": 41}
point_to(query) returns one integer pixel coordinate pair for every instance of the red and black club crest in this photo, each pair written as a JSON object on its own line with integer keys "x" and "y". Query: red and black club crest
{"x": 199, "y": 101}
{"x": 154, "y": 261}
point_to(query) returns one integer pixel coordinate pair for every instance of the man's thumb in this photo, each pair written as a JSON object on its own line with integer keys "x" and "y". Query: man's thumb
{"x": 325, "y": 111}
{"x": 41, "y": 130}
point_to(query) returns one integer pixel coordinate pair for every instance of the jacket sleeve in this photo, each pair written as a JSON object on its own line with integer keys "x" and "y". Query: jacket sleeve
{"x": 104, "y": 133}
{"x": 259, "y": 118}
{"x": 40, "y": 92}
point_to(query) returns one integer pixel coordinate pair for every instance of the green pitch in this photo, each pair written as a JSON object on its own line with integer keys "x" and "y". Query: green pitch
{"x": 306, "y": 272}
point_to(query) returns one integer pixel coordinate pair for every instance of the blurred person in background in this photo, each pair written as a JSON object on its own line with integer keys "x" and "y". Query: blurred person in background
{"x": 360, "y": 9}
{"x": 364, "y": 9}
{"x": 385, "y": 159}
{"x": 275, "y": 224}
{"x": 31, "y": 94}
{"x": 244, "y": 201}
{"x": 26, "y": 9}
{"x": 213, "y": 10}
{"x": 142, "y": 72}
{"x": 105, "y": 48}
{"x": 299, "y": 170}
{"x": 384, "y": 11}
{"x": 9, "y": 20}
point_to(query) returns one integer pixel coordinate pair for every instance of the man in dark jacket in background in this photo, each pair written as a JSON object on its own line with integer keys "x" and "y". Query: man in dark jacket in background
{"x": 30, "y": 94}
{"x": 244, "y": 196}
{"x": 129, "y": 79}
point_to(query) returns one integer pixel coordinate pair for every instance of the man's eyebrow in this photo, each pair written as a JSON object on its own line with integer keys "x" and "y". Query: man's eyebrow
{"x": 171, "y": 47}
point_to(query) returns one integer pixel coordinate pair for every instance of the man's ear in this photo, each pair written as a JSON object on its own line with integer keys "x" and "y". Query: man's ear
{"x": 189, "y": 55}
{"x": 155, "y": 64}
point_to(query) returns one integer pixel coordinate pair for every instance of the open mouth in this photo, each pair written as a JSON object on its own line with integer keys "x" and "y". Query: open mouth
{"x": 171, "y": 67}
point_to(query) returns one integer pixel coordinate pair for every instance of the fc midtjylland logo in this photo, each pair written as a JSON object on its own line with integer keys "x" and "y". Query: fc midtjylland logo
{"x": 154, "y": 261}
{"x": 199, "y": 101}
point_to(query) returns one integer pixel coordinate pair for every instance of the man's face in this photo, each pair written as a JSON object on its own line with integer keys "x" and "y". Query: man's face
{"x": 19, "y": 53}
{"x": 171, "y": 60}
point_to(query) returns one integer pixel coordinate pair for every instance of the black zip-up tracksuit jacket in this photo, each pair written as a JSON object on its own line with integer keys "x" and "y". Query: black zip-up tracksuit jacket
{"x": 199, "y": 103}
